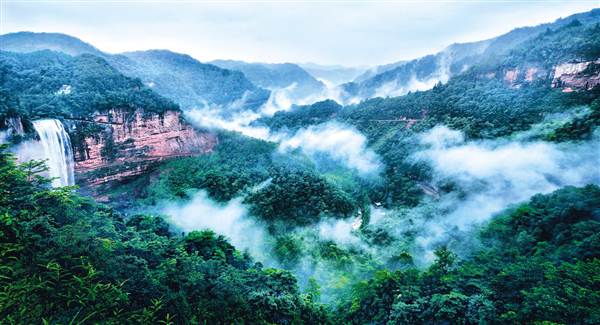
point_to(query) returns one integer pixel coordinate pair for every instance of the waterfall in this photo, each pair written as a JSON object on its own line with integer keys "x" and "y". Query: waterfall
{"x": 57, "y": 151}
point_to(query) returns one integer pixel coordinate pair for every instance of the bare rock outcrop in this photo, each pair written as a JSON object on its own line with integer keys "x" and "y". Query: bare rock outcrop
{"x": 126, "y": 144}
{"x": 575, "y": 76}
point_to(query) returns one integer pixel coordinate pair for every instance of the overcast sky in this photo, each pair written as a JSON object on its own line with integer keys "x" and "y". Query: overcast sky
{"x": 329, "y": 32}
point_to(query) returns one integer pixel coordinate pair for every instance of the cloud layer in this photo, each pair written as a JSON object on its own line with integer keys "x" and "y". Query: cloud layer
{"x": 493, "y": 175}
{"x": 342, "y": 143}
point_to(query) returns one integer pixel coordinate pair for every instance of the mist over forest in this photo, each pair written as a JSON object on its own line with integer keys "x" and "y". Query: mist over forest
{"x": 146, "y": 187}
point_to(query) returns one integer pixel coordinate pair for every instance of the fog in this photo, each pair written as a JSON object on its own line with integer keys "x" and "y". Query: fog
{"x": 493, "y": 175}
{"x": 230, "y": 220}
{"x": 340, "y": 142}
{"x": 396, "y": 88}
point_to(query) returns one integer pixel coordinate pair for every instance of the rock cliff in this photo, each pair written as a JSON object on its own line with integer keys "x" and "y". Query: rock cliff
{"x": 577, "y": 76}
{"x": 118, "y": 144}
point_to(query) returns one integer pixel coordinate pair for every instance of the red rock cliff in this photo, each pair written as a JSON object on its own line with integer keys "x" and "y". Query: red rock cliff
{"x": 129, "y": 143}
{"x": 577, "y": 76}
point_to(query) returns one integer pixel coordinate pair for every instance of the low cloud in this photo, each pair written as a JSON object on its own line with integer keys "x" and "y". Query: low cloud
{"x": 494, "y": 175}
{"x": 230, "y": 219}
{"x": 341, "y": 143}
{"x": 340, "y": 231}
{"x": 212, "y": 118}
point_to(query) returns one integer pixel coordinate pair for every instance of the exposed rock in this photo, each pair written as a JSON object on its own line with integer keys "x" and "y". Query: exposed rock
{"x": 577, "y": 76}
{"x": 129, "y": 143}
{"x": 532, "y": 74}
{"x": 15, "y": 125}
{"x": 510, "y": 76}
{"x": 429, "y": 190}
{"x": 516, "y": 77}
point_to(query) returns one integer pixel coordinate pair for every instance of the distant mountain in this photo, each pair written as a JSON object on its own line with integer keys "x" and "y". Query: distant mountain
{"x": 30, "y": 42}
{"x": 276, "y": 76}
{"x": 399, "y": 78}
{"x": 371, "y": 72}
{"x": 335, "y": 74}
{"x": 52, "y": 84}
{"x": 178, "y": 77}
{"x": 188, "y": 81}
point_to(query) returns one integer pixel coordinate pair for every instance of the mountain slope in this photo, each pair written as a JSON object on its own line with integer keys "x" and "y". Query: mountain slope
{"x": 335, "y": 74}
{"x": 178, "y": 77}
{"x": 52, "y": 84}
{"x": 276, "y": 75}
{"x": 554, "y": 73}
{"x": 118, "y": 127}
{"x": 30, "y": 42}
{"x": 188, "y": 81}
{"x": 423, "y": 73}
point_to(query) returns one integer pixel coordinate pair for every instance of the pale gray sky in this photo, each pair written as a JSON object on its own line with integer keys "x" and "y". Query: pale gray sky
{"x": 352, "y": 32}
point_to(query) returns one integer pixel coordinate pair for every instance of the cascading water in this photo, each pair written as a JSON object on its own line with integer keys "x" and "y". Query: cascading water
{"x": 57, "y": 150}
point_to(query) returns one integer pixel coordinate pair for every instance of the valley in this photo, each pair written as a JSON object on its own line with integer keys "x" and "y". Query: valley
{"x": 460, "y": 187}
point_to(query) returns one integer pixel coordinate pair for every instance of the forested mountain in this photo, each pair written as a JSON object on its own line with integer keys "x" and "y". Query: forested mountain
{"x": 189, "y": 82}
{"x": 276, "y": 75}
{"x": 52, "y": 84}
{"x": 117, "y": 126}
{"x": 335, "y": 74}
{"x": 474, "y": 202}
{"x": 178, "y": 77}
{"x": 67, "y": 259}
{"x": 30, "y": 42}
{"x": 420, "y": 74}
{"x": 484, "y": 102}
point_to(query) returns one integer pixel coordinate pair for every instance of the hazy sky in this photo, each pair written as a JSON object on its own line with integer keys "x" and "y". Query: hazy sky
{"x": 331, "y": 32}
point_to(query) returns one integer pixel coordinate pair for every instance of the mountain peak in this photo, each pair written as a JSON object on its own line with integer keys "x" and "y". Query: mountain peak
{"x": 31, "y": 41}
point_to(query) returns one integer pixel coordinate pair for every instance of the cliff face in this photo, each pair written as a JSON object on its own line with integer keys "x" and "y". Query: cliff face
{"x": 577, "y": 76}
{"x": 516, "y": 77}
{"x": 568, "y": 76}
{"x": 118, "y": 144}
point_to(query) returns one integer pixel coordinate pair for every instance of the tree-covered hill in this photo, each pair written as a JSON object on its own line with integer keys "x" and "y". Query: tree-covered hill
{"x": 65, "y": 259}
{"x": 26, "y": 42}
{"x": 276, "y": 75}
{"x": 178, "y": 77}
{"x": 482, "y": 107}
{"x": 538, "y": 264}
{"x": 189, "y": 82}
{"x": 52, "y": 84}
{"x": 422, "y": 73}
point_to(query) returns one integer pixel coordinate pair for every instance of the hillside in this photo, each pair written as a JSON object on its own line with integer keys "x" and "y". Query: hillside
{"x": 118, "y": 127}
{"x": 276, "y": 75}
{"x": 399, "y": 78}
{"x": 189, "y": 82}
{"x": 334, "y": 74}
{"x": 178, "y": 77}
{"x": 26, "y": 42}
{"x": 487, "y": 101}
{"x": 52, "y": 84}
{"x": 461, "y": 187}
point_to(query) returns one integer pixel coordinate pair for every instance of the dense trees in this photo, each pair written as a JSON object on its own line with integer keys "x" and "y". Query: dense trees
{"x": 51, "y": 84}
{"x": 539, "y": 262}
{"x": 65, "y": 259}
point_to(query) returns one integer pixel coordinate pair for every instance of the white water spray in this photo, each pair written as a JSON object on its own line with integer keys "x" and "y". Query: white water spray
{"x": 57, "y": 151}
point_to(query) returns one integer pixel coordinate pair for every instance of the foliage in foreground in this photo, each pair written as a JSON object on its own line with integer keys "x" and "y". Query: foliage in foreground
{"x": 540, "y": 264}
{"x": 65, "y": 259}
